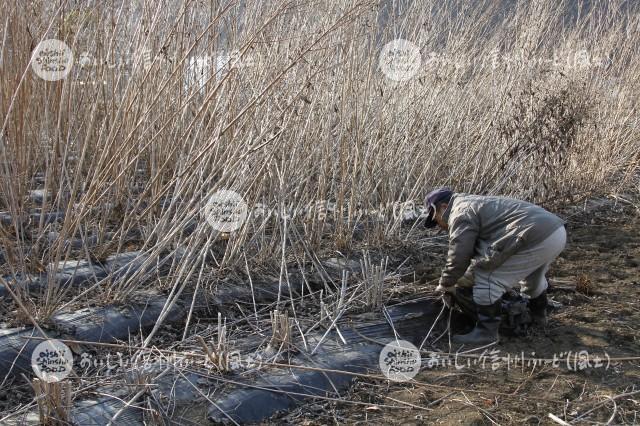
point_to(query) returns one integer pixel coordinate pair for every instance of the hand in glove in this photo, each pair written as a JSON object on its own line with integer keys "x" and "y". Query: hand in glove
{"x": 447, "y": 294}
{"x": 444, "y": 290}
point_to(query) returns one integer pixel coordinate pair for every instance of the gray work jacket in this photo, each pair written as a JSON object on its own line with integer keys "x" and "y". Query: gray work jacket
{"x": 489, "y": 229}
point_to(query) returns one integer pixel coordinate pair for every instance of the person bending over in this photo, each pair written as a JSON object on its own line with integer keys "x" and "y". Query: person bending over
{"x": 495, "y": 243}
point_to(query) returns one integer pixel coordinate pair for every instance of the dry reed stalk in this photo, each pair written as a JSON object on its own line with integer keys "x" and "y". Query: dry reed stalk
{"x": 54, "y": 401}
{"x": 281, "y": 331}
{"x": 373, "y": 276}
{"x": 220, "y": 353}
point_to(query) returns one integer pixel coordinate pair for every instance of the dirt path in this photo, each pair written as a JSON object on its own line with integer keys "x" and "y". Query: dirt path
{"x": 597, "y": 282}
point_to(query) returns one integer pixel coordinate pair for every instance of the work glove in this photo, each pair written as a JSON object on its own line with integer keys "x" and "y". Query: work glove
{"x": 446, "y": 290}
{"x": 447, "y": 294}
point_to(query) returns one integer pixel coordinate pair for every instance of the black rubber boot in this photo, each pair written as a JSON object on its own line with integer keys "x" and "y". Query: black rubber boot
{"x": 464, "y": 300}
{"x": 486, "y": 329}
{"x": 538, "y": 309}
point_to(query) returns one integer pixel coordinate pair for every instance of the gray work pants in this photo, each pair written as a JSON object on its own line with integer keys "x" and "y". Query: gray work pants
{"x": 526, "y": 267}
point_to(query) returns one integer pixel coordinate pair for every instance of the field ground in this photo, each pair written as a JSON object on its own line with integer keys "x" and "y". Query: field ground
{"x": 595, "y": 287}
{"x": 601, "y": 317}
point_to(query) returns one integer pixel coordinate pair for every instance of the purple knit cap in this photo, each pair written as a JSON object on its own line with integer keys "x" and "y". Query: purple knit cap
{"x": 440, "y": 195}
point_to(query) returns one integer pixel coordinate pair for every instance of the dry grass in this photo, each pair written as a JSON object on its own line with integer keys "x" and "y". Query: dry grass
{"x": 584, "y": 285}
{"x": 305, "y": 115}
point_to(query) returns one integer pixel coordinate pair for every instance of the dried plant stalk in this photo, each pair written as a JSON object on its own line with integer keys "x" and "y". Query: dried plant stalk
{"x": 54, "y": 401}
{"x": 220, "y": 354}
{"x": 374, "y": 278}
{"x": 281, "y": 330}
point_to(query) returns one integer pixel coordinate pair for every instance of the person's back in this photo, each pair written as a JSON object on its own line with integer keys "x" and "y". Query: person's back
{"x": 504, "y": 225}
